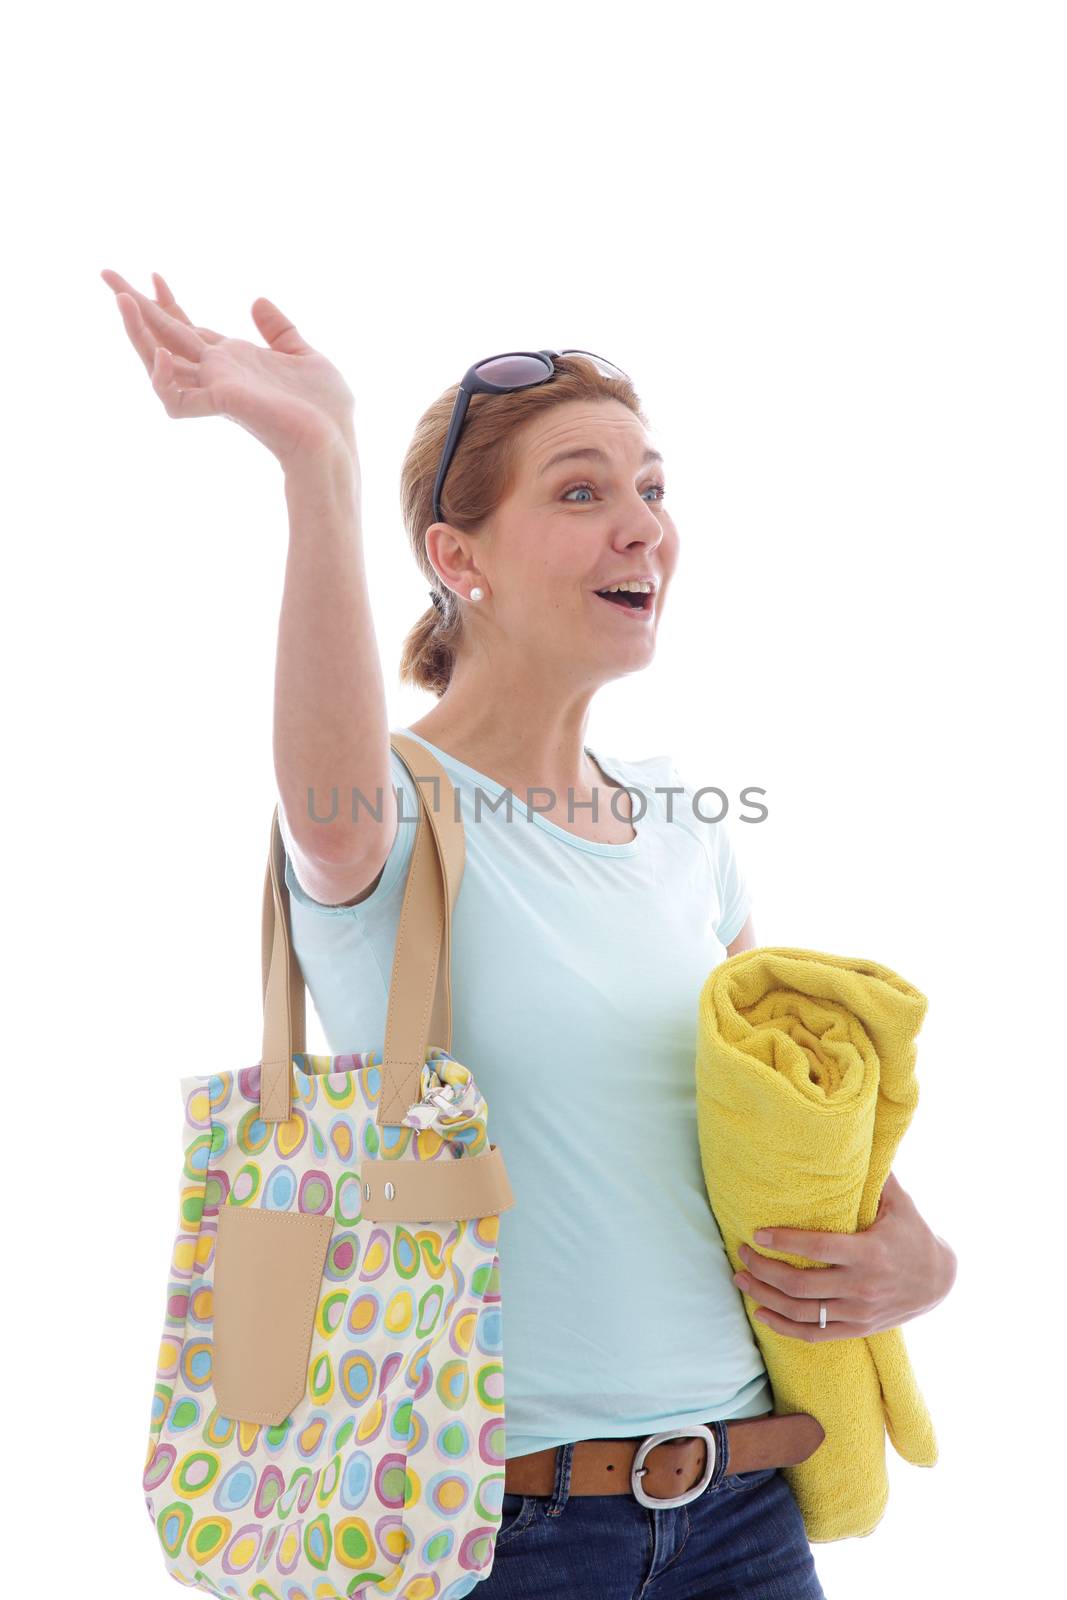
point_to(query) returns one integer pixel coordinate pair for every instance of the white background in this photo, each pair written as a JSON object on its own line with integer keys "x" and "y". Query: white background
{"x": 827, "y": 242}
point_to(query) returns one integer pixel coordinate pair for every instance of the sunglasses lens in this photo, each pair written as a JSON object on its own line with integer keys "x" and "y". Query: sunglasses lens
{"x": 515, "y": 372}
{"x": 605, "y": 368}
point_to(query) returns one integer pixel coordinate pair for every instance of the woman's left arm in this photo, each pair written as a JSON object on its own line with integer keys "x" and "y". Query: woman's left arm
{"x": 896, "y": 1269}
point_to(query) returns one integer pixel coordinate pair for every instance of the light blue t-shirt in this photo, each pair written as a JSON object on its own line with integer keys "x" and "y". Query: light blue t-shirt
{"x": 576, "y": 972}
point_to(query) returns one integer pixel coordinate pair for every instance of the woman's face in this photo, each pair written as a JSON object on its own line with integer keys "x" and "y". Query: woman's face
{"x": 571, "y": 527}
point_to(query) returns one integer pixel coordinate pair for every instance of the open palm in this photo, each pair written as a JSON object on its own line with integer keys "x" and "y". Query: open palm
{"x": 285, "y": 393}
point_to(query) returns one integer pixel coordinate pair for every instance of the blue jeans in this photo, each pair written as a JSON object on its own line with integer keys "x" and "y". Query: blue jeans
{"x": 742, "y": 1539}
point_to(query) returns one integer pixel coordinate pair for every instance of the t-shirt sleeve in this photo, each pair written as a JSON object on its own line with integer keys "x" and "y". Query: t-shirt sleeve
{"x": 735, "y": 901}
{"x": 394, "y": 874}
{"x": 732, "y": 901}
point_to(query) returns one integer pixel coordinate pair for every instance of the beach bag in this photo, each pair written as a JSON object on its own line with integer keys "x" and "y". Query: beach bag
{"x": 328, "y": 1415}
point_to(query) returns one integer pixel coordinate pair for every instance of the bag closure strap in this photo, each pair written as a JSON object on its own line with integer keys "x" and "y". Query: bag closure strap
{"x": 420, "y": 989}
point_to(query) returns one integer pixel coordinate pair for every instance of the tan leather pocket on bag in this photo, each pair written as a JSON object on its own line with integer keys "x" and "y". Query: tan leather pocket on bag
{"x": 268, "y": 1272}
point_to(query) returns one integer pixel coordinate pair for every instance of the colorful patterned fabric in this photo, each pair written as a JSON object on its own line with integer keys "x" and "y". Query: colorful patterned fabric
{"x": 388, "y": 1477}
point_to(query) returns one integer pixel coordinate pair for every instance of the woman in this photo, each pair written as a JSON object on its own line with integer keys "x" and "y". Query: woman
{"x": 591, "y": 910}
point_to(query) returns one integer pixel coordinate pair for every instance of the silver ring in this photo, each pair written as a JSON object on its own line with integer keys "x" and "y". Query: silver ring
{"x": 822, "y": 1313}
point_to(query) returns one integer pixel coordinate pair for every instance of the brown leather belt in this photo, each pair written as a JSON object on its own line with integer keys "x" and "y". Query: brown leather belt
{"x": 674, "y": 1467}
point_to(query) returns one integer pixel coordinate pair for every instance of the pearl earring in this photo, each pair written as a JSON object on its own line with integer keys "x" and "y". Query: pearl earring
{"x": 476, "y": 594}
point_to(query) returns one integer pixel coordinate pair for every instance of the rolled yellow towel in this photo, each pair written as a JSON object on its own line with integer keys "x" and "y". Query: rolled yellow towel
{"x": 805, "y": 1084}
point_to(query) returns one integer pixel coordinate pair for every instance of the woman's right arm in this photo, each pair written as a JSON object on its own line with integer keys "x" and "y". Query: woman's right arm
{"x": 330, "y": 719}
{"x": 331, "y": 732}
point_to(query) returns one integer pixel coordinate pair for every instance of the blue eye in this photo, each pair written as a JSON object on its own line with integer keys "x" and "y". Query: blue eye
{"x": 591, "y": 487}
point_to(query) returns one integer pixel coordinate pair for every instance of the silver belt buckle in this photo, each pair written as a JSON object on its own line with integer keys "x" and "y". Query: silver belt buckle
{"x": 638, "y": 1470}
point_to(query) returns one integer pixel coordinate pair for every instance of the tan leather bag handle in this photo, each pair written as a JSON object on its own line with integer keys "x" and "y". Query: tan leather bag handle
{"x": 419, "y": 1011}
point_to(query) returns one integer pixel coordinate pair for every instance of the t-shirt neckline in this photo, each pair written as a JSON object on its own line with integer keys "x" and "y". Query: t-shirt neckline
{"x": 594, "y": 846}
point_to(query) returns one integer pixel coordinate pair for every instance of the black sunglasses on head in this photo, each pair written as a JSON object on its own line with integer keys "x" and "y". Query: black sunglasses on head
{"x": 515, "y": 369}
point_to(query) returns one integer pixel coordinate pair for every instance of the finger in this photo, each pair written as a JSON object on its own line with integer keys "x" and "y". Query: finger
{"x": 165, "y": 299}
{"x": 810, "y": 1331}
{"x": 839, "y": 1307}
{"x": 806, "y": 1242}
{"x": 179, "y": 401}
{"x": 187, "y": 373}
{"x": 140, "y": 337}
{"x": 276, "y": 328}
{"x": 175, "y": 334}
{"x": 801, "y": 1283}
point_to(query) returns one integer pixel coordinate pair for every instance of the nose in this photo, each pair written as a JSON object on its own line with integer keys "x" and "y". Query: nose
{"x": 643, "y": 526}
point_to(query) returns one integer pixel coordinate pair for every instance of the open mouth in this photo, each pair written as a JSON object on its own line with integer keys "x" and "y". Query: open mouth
{"x": 627, "y": 599}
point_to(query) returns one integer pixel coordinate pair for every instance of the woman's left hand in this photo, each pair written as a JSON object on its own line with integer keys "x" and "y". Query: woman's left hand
{"x": 890, "y": 1272}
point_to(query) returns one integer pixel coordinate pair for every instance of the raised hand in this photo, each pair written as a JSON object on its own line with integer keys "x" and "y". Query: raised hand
{"x": 287, "y": 395}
